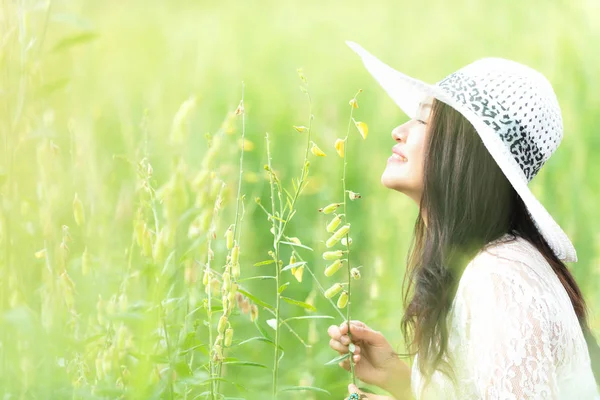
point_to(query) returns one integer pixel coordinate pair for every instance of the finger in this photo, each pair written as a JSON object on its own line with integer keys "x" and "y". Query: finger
{"x": 366, "y": 334}
{"x": 334, "y": 332}
{"x": 344, "y": 326}
{"x": 353, "y": 389}
{"x": 337, "y": 346}
{"x": 345, "y": 364}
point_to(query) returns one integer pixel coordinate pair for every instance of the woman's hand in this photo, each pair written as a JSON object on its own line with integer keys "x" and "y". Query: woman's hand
{"x": 374, "y": 358}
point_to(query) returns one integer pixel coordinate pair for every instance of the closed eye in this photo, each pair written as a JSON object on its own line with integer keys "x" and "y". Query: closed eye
{"x": 422, "y": 122}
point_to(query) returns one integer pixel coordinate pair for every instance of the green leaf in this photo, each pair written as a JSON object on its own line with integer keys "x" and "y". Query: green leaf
{"x": 263, "y": 331}
{"x": 256, "y": 277}
{"x": 266, "y": 262}
{"x": 74, "y": 40}
{"x": 283, "y": 287}
{"x": 311, "y": 388}
{"x": 245, "y": 364}
{"x": 299, "y": 303}
{"x": 297, "y": 245}
{"x": 294, "y": 265}
{"x": 309, "y": 317}
{"x": 260, "y": 339}
{"x": 338, "y": 359}
{"x": 256, "y": 300}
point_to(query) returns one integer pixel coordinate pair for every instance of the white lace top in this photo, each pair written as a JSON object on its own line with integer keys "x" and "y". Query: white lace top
{"x": 513, "y": 333}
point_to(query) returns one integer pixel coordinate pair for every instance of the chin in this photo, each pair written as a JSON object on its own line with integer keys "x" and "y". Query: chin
{"x": 392, "y": 181}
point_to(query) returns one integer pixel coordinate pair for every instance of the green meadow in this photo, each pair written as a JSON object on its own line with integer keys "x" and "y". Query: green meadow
{"x": 122, "y": 172}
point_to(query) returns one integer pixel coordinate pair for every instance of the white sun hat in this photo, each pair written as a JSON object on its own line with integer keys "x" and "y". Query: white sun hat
{"x": 514, "y": 110}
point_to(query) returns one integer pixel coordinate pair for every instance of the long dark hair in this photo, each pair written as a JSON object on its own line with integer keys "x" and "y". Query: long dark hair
{"x": 468, "y": 202}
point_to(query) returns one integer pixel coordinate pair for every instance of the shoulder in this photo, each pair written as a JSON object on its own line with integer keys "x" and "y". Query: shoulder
{"x": 508, "y": 272}
{"x": 509, "y": 258}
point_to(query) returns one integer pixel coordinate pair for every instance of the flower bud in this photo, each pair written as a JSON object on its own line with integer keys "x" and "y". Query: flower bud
{"x": 346, "y": 242}
{"x": 229, "y": 237}
{"x": 355, "y": 273}
{"x": 78, "y": 211}
{"x": 331, "y": 242}
{"x": 333, "y": 268}
{"x": 353, "y": 103}
{"x": 228, "y": 337}
{"x": 226, "y": 282}
{"x": 235, "y": 270}
{"x": 340, "y": 233}
{"x": 217, "y": 353}
{"x": 225, "y": 301}
{"x": 330, "y": 208}
{"x": 206, "y": 277}
{"x": 333, "y": 290}
{"x": 353, "y": 196}
{"x": 235, "y": 254}
{"x": 231, "y": 299}
{"x": 342, "y": 300}
{"x": 222, "y": 324}
{"x": 253, "y": 312}
{"x": 334, "y": 223}
{"x": 332, "y": 255}
{"x": 295, "y": 240}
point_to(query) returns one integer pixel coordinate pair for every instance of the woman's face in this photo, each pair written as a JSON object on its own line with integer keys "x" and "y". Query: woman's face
{"x": 404, "y": 169}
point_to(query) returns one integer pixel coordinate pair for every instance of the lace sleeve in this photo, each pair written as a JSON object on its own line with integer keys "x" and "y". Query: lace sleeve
{"x": 509, "y": 332}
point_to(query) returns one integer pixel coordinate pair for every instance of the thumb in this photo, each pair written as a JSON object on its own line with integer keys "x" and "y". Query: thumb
{"x": 359, "y": 394}
{"x": 352, "y": 389}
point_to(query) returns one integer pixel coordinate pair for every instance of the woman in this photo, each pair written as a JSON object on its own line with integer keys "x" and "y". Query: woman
{"x": 492, "y": 312}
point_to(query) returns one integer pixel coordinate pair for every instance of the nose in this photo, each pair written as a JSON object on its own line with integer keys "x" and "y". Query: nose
{"x": 399, "y": 133}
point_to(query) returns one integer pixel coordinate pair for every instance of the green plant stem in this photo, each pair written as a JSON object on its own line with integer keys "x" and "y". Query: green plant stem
{"x": 237, "y": 234}
{"x": 276, "y": 248}
{"x": 346, "y": 148}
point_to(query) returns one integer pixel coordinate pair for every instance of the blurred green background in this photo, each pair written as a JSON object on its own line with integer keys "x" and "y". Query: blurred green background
{"x": 89, "y": 90}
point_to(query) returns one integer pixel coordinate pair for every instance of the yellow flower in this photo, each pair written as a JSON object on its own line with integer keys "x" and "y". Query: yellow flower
{"x": 248, "y": 145}
{"x": 363, "y": 129}
{"x": 339, "y": 147}
{"x": 300, "y": 128}
{"x": 298, "y": 273}
{"x": 353, "y": 103}
{"x": 316, "y": 150}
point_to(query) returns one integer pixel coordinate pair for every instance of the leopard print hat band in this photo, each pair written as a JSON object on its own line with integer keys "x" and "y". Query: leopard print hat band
{"x": 513, "y": 108}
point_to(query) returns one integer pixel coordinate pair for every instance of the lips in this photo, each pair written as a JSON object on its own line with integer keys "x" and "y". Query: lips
{"x": 396, "y": 150}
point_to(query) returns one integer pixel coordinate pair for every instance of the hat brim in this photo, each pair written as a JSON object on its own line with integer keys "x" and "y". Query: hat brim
{"x": 408, "y": 92}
